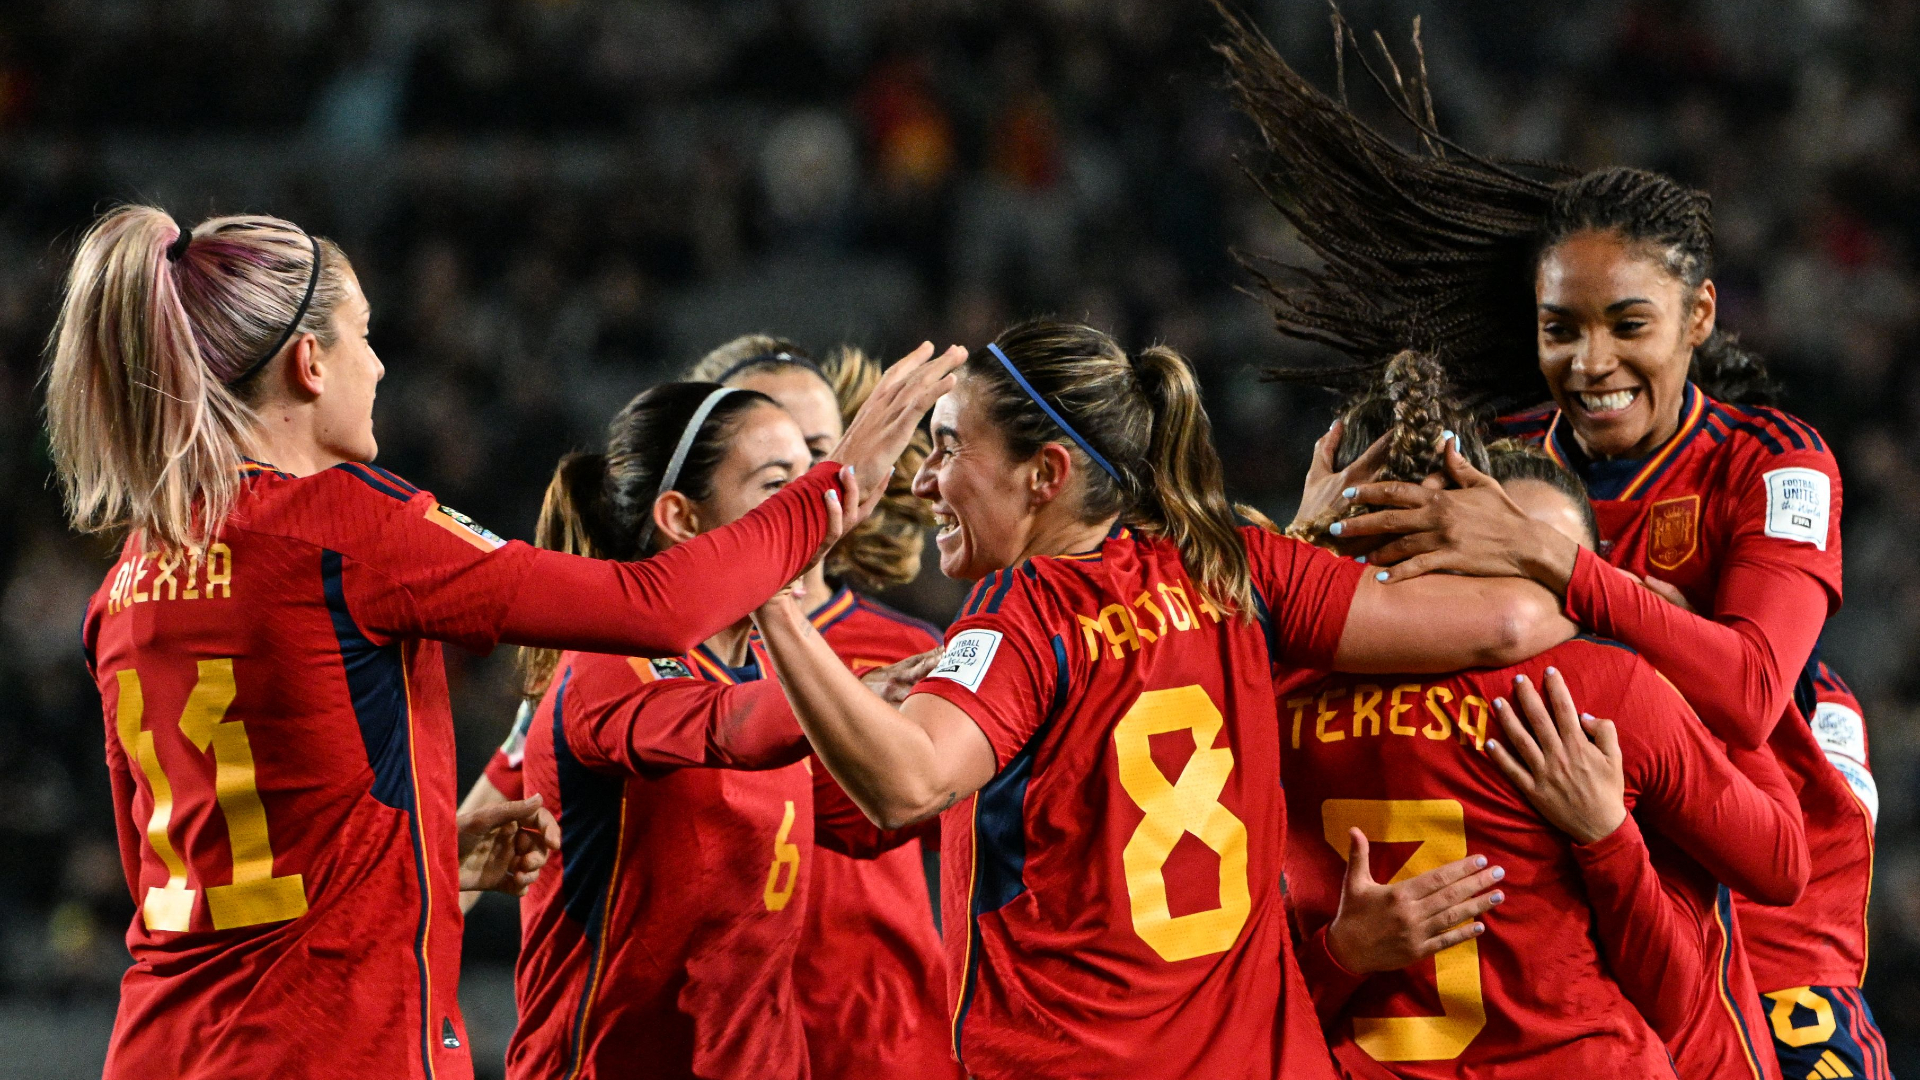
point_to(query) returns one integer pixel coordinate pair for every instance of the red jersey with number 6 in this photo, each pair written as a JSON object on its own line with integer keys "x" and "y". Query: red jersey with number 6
{"x": 281, "y": 751}
{"x": 1738, "y": 508}
{"x": 1112, "y": 896}
{"x": 660, "y": 941}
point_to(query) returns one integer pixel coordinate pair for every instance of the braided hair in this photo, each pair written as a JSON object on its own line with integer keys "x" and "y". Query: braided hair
{"x": 1434, "y": 248}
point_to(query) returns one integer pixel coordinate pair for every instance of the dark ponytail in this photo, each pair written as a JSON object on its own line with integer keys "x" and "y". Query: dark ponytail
{"x": 598, "y": 504}
{"x": 1144, "y": 416}
{"x": 1434, "y": 247}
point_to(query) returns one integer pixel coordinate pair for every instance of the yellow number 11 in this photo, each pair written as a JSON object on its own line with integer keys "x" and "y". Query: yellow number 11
{"x": 255, "y": 895}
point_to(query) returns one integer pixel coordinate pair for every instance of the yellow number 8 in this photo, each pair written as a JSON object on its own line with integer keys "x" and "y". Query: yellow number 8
{"x": 1440, "y": 827}
{"x": 1189, "y": 805}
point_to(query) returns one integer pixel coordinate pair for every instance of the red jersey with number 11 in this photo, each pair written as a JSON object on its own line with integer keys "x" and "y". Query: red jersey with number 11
{"x": 1112, "y": 895}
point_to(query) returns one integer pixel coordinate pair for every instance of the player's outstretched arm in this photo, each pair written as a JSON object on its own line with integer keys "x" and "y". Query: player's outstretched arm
{"x": 900, "y": 765}
{"x": 1446, "y": 622}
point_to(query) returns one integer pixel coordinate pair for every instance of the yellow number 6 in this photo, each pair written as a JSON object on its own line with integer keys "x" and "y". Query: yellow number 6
{"x": 1440, "y": 827}
{"x": 1190, "y": 805}
{"x": 785, "y": 854}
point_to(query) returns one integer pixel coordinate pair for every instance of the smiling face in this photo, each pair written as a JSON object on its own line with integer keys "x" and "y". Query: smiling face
{"x": 765, "y": 452}
{"x": 806, "y": 397}
{"x": 1617, "y": 331}
{"x": 343, "y": 420}
{"x": 981, "y": 497}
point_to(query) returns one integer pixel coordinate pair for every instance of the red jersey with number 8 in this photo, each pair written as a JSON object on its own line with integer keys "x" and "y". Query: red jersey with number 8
{"x": 1112, "y": 895}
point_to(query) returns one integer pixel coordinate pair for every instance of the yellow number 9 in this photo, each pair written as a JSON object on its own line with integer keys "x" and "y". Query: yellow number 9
{"x": 1440, "y": 827}
{"x": 1190, "y": 805}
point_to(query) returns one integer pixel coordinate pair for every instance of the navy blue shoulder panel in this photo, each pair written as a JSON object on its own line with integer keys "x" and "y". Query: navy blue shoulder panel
{"x": 377, "y": 682}
{"x": 1595, "y": 639}
{"x": 589, "y": 824}
{"x": 1000, "y": 838}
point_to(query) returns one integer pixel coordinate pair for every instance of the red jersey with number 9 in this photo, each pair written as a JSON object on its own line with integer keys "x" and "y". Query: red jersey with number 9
{"x": 281, "y": 751}
{"x": 1112, "y": 895}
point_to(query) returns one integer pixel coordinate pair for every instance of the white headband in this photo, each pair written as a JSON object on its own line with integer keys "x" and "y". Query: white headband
{"x": 680, "y": 452}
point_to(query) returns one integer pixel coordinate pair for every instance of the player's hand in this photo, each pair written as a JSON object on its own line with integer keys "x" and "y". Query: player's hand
{"x": 1323, "y": 501}
{"x": 881, "y": 430}
{"x": 1667, "y": 592}
{"x": 1387, "y": 927}
{"x": 504, "y": 845}
{"x": 895, "y": 681}
{"x": 1566, "y": 764}
{"x": 1473, "y": 529}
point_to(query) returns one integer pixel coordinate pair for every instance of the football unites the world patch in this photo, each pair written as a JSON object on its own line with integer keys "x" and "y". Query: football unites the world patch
{"x": 968, "y": 657}
{"x": 465, "y": 528}
{"x": 1797, "y": 501}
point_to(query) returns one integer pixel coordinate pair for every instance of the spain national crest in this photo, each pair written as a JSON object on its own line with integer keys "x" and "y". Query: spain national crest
{"x": 1673, "y": 531}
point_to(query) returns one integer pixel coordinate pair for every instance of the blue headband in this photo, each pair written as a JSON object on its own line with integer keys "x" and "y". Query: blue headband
{"x": 1054, "y": 414}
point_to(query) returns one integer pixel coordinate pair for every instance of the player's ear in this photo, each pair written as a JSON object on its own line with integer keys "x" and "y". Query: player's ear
{"x": 1705, "y": 311}
{"x": 1052, "y": 467}
{"x": 675, "y": 519}
{"x": 305, "y": 369}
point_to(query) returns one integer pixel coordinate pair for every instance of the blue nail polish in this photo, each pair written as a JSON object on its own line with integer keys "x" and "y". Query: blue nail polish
{"x": 1381, "y": 576}
{"x": 1350, "y": 493}
{"x": 1361, "y": 559}
{"x": 1337, "y": 528}
{"x": 1446, "y": 436}
{"x": 1499, "y": 873}
{"x": 1479, "y": 861}
{"x": 1553, "y": 671}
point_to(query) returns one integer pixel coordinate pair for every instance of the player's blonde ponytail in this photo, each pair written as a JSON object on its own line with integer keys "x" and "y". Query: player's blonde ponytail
{"x": 156, "y": 356}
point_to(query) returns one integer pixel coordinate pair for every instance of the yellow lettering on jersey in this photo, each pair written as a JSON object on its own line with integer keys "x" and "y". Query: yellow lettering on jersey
{"x": 1145, "y": 602}
{"x": 1115, "y": 624}
{"x": 1397, "y": 708}
{"x": 1441, "y": 726}
{"x": 130, "y": 588}
{"x": 164, "y": 576}
{"x": 1366, "y": 705}
{"x": 1325, "y": 714}
{"x": 1190, "y": 804}
{"x": 254, "y": 895}
{"x": 1178, "y": 609}
{"x": 1299, "y": 707}
{"x": 785, "y": 854}
{"x": 1439, "y": 826}
{"x": 1476, "y": 723}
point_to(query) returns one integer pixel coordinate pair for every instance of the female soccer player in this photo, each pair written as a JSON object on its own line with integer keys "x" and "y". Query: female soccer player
{"x": 1105, "y": 706}
{"x": 686, "y": 809}
{"x": 1598, "y": 291}
{"x": 1413, "y": 759}
{"x": 267, "y": 646}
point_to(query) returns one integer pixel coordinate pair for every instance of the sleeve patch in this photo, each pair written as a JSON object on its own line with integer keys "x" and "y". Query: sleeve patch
{"x": 515, "y": 748}
{"x": 465, "y": 528}
{"x": 670, "y": 668}
{"x": 1861, "y": 781}
{"x": 1840, "y": 730}
{"x": 1797, "y": 501}
{"x": 968, "y": 657}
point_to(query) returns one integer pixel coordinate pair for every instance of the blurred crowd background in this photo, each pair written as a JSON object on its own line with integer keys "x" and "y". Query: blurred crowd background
{"x": 553, "y": 203}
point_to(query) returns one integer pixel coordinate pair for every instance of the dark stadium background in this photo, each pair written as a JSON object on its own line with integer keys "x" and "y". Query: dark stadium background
{"x": 553, "y": 203}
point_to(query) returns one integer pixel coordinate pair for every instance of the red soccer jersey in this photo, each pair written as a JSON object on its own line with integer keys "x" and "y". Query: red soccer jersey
{"x": 660, "y": 942}
{"x": 1740, "y": 509}
{"x": 281, "y": 752}
{"x": 1112, "y": 895}
{"x": 1403, "y": 759}
{"x": 868, "y": 977}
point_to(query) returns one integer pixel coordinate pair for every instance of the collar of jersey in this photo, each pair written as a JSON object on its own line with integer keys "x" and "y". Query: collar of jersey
{"x": 250, "y": 467}
{"x": 835, "y": 609}
{"x": 1623, "y": 478}
{"x": 711, "y": 668}
{"x": 1118, "y": 532}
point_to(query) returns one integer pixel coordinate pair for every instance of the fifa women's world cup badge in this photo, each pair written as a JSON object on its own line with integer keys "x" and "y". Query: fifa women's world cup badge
{"x": 1673, "y": 531}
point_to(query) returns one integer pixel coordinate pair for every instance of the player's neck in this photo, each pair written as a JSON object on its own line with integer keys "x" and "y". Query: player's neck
{"x": 730, "y": 645}
{"x": 818, "y": 591}
{"x": 286, "y": 439}
{"x": 1062, "y": 534}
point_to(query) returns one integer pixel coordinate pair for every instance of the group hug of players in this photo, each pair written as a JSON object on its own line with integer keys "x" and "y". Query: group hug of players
{"x": 1510, "y": 756}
